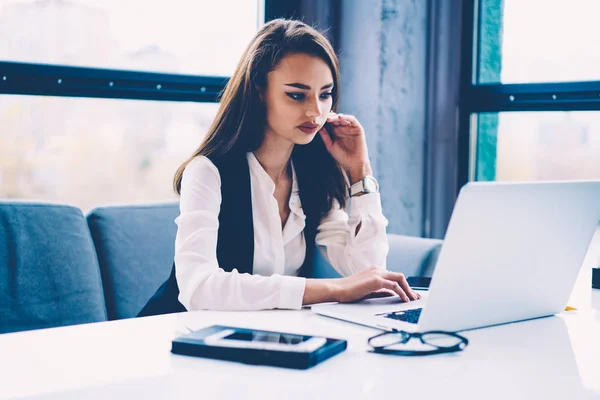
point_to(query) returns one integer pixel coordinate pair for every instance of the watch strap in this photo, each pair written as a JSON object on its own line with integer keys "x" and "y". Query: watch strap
{"x": 360, "y": 187}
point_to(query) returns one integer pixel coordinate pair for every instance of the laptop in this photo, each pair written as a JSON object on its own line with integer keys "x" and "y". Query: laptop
{"x": 512, "y": 252}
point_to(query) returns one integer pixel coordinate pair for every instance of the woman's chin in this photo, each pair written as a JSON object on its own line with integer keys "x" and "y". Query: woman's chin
{"x": 304, "y": 139}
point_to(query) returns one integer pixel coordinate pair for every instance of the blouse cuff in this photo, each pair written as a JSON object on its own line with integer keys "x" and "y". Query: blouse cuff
{"x": 291, "y": 292}
{"x": 366, "y": 204}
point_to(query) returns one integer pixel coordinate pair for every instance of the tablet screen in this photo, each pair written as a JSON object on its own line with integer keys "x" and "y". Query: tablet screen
{"x": 267, "y": 337}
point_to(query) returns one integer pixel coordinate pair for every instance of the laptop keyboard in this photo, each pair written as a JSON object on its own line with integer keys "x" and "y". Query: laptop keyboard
{"x": 410, "y": 316}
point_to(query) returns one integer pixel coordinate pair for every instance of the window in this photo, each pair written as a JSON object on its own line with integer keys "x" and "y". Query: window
{"x": 530, "y": 108}
{"x": 179, "y": 36}
{"x": 526, "y": 146}
{"x": 539, "y": 41}
{"x": 89, "y": 152}
{"x": 102, "y": 100}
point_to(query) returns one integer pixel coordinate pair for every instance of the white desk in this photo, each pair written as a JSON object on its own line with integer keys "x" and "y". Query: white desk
{"x": 549, "y": 358}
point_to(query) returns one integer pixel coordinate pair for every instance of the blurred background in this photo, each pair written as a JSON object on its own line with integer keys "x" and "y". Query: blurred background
{"x": 101, "y": 100}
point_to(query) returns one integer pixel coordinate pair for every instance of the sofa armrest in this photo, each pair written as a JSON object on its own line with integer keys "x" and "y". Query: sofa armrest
{"x": 413, "y": 256}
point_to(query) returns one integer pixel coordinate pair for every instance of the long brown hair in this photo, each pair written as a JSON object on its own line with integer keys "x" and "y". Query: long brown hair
{"x": 240, "y": 122}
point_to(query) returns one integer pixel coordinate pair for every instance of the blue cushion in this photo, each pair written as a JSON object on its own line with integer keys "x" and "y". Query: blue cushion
{"x": 49, "y": 273}
{"x": 136, "y": 248}
{"x": 322, "y": 269}
{"x": 413, "y": 256}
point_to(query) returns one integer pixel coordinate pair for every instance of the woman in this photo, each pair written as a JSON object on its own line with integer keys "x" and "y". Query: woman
{"x": 269, "y": 181}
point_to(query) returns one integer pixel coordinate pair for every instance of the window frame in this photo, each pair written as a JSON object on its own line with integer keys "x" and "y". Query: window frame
{"x": 476, "y": 98}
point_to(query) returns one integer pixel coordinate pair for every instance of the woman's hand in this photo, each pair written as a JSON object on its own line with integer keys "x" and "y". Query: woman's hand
{"x": 371, "y": 280}
{"x": 348, "y": 145}
{"x": 357, "y": 286}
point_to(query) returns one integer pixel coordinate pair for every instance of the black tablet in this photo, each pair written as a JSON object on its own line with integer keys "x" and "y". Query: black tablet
{"x": 258, "y": 347}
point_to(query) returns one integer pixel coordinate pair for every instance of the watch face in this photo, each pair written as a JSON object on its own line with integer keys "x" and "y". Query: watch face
{"x": 370, "y": 185}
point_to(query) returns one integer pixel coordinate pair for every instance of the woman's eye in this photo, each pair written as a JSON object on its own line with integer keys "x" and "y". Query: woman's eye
{"x": 296, "y": 96}
{"x": 302, "y": 96}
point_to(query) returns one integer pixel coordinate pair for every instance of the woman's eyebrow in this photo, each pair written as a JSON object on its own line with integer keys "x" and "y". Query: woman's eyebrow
{"x": 306, "y": 87}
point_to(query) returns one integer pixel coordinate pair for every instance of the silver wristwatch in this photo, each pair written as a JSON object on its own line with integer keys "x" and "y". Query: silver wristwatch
{"x": 368, "y": 184}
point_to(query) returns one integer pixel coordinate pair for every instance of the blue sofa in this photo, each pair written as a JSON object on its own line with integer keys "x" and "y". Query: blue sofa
{"x": 59, "y": 267}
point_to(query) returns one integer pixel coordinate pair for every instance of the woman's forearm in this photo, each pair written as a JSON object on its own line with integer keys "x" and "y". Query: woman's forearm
{"x": 319, "y": 291}
{"x": 357, "y": 286}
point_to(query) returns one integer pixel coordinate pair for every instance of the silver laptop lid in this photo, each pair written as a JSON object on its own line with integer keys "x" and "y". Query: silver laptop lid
{"x": 512, "y": 251}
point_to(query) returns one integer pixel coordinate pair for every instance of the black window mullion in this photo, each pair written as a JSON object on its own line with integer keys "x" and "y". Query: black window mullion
{"x": 67, "y": 81}
{"x": 564, "y": 96}
{"x": 469, "y": 65}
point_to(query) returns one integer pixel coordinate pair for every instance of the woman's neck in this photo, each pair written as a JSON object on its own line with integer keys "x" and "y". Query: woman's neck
{"x": 274, "y": 156}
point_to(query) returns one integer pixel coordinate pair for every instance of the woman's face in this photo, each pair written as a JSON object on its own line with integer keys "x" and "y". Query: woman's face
{"x": 298, "y": 98}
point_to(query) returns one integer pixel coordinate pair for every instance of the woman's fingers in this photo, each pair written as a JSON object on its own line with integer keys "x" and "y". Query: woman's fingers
{"x": 395, "y": 287}
{"x": 342, "y": 119}
{"x": 375, "y": 280}
{"x": 351, "y": 119}
{"x": 401, "y": 280}
{"x": 339, "y": 122}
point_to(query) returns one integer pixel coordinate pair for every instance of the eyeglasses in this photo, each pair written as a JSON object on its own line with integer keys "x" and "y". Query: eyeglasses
{"x": 432, "y": 342}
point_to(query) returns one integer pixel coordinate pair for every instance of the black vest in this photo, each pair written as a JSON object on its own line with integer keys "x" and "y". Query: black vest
{"x": 235, "y": 241}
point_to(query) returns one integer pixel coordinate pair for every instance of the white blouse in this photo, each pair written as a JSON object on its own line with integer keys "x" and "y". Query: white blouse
{"x": 278, "y": 253}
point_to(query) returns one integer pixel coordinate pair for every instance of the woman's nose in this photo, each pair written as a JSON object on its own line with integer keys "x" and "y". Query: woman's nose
{"x": 314, "y": 109}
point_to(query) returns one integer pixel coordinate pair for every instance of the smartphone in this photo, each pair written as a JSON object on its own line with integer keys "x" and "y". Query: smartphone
{"x": 419, "y": 282}
{"x": 261, "y": 340}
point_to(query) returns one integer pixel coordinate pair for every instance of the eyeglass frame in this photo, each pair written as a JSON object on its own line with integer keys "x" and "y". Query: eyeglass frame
{"x": 464, "y": 342}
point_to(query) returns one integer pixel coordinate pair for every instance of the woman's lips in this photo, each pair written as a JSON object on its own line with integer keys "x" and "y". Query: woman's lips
{"x": 310, "y": 129}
